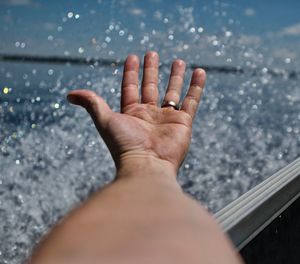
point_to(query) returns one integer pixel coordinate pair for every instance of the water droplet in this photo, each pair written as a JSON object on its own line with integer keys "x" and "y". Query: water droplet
{"x": 130, "y": 38}
{"x": 215, "y": 42}
{"x": 108, "y": 39}
{"x": 185, "y": 46}
{"x": 50, "y": 72}
{"x": 157, "y": 15}
{"x": 77, "y": 16}
{"x": 17, "y": 44}
{"x": 287, "y": 60}
{"x": 200, "y": 29}
{"x": 170, "y": 37}
{"x": 121, "y": 33}
{"x": 142, "y": 25}
{"x": 80, "y": 50}
{"x": 70, "y": 14}
{"x": 93, "y": 41}
{"x": 246, "y": 55}
{"x": 228, "y": 34}
{"x": 192, "y": 30}
{"x": 5, "y": 90}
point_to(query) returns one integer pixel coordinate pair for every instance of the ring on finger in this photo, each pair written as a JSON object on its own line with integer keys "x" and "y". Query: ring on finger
{"x": 170, "y": 104}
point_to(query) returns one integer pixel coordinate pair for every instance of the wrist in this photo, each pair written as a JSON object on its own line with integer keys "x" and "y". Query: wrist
{"x": 144, "y": 166}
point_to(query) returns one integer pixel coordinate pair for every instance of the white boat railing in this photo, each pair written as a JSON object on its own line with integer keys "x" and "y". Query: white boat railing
{"x": 247, "y": 216}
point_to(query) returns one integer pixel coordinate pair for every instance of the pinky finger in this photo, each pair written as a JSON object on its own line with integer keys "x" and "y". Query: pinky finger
{"x": 193, "y": 96}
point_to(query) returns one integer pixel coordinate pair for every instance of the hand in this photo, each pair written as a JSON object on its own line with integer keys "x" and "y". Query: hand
{"x": 143, "y": 129}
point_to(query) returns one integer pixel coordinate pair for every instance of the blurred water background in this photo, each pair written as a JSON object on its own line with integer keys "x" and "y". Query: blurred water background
{"x": 51, "y": 157}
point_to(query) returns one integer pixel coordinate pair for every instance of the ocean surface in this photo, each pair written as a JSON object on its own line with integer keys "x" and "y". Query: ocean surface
{"x": 52, "y": 159}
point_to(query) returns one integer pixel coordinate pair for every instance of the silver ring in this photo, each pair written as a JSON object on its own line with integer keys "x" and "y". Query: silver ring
{"x": 170, "y": 103}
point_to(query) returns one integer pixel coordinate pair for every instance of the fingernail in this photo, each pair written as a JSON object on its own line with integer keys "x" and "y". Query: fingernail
{"x": 73, "y": 99}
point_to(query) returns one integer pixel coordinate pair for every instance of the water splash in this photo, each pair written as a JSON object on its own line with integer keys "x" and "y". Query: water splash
{"x": 51, "y": 157}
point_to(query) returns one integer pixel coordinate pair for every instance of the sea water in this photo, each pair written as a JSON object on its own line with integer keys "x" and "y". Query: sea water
{"x": 52, "y": 158}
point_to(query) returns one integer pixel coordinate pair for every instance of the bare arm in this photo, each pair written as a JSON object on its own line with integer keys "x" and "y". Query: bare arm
{"x": 143, "y": 216}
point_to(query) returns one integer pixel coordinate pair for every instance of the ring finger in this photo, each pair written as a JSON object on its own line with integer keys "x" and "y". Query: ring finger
{"x": 175, "y": 82}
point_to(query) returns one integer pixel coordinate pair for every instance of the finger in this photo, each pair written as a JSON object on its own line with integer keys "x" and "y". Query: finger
{"x": 130, "y": 82}
{"x": 175, "y": 81}
{"x": 94, "y": 104}
{"x": 192, "y": 99}
{"x": 150, "y": 78}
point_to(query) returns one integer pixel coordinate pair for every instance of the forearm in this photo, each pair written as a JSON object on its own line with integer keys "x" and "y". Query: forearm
{"x": 142, "y": 217}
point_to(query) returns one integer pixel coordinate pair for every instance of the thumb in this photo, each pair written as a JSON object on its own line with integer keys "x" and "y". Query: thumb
{"x": 94, "y": 104}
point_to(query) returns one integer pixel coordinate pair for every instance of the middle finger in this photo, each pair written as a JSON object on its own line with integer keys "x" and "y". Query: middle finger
{"x": 150, "y": 78}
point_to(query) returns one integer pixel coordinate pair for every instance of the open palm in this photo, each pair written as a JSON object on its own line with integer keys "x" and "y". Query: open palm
{"x": 143, "y": 128}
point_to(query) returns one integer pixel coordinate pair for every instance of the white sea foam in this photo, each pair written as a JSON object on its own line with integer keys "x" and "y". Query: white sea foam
{"x": 51, "y": 157}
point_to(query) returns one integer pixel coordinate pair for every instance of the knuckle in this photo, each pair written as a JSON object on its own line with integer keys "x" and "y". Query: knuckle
{"x": 187, "y": 119}
{"x": 151, "y": 84}
{"x": 196, "y": 88}
{"x": 172, "y": 95}
{"x": 192, "y": 98}
{"x": 176, "y": 79}
{"x": 172, "y": 89}
{"x": 92, "y": 101}
{"x": 129, "y": 86}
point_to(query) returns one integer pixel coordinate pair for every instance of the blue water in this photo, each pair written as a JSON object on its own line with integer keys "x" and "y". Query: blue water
{"x": 51, "y": 157}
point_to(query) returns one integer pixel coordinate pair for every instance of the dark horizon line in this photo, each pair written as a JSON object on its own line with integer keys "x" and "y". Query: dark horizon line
{"x": 23, "y": 58}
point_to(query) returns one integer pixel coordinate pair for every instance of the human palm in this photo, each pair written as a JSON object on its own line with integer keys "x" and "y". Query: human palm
{"x": 150, "y": 130}
{"x": 143, "y": 128}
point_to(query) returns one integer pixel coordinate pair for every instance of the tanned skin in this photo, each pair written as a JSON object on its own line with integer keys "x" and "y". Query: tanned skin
{"x": 143, "y": 216}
